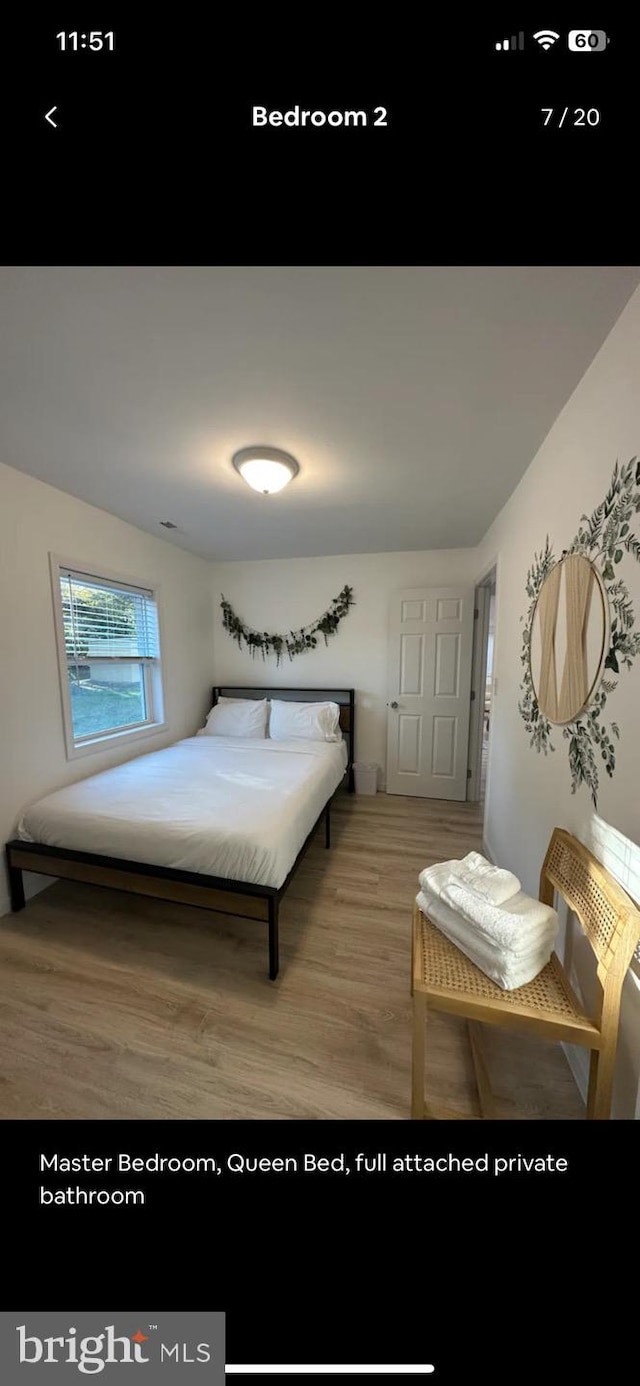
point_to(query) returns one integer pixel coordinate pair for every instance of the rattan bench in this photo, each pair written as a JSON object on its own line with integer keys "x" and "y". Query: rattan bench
{"x": 444, "y": 979}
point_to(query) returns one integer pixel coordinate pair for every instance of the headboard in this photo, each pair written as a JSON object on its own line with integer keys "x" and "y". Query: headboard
{"x": 345, "y": 697}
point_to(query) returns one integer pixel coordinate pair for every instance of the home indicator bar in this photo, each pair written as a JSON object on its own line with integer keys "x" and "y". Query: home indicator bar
{"x": 329, "y": 1369}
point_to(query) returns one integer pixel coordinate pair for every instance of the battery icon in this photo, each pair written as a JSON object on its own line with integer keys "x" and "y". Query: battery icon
{"x": 588, "y": 40}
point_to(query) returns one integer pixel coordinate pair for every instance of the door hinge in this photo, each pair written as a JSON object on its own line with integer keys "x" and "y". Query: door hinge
{"x": 472, "y": 695}
{"x": 476, "y": 613}
{"x": 468, "y": 774}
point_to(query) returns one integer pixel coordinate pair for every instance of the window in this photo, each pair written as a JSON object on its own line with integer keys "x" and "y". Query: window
{"x": 109, "y": 654}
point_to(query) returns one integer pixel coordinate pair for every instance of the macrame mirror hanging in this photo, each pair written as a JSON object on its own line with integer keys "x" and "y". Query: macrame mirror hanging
{"x": 578, "y": 630}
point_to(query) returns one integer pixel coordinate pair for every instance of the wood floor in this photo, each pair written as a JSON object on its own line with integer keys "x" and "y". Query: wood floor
{"x": 115, "y": 1006}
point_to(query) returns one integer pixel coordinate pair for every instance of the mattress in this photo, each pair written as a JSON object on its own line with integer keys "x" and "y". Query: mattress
{"x": 217, "y": 805}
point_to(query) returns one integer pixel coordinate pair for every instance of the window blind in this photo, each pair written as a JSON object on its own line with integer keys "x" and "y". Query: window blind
{"x": 104, "y": 620}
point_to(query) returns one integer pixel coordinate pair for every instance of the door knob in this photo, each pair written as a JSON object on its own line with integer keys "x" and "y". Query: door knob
{"x": 394, "y": 704}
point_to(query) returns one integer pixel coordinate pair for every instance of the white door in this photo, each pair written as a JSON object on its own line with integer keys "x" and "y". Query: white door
{"x": 429, "y": 692}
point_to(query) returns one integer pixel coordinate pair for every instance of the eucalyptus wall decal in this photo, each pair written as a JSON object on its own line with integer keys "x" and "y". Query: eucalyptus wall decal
{"x": 294, "y": 641}
{"x": 564, "y": 681}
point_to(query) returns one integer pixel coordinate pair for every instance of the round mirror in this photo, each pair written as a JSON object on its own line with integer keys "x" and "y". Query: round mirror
{"x": 568, "y": 639}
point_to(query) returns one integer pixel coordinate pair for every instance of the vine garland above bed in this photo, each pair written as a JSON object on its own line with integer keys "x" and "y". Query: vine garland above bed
{"x": 295, "y": 641}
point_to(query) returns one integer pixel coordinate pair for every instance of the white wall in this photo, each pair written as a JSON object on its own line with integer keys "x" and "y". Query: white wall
{"x": 527, "y": 794}
{"x": 34, "y": 520}
{"x": 279, "y": 595}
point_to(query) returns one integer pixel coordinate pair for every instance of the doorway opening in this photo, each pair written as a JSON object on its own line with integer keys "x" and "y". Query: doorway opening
{"x": 482, "y": 687}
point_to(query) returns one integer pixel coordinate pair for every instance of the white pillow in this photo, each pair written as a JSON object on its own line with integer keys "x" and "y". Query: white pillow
{"x": 304, "y": 721}
{"x": 238, "y": 717}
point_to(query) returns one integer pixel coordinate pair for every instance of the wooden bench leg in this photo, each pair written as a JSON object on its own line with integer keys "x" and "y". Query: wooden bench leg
{"x": 485, "y": 1095}
{"x": 600, "y": 1084}
{"x": 417, "y": 1056}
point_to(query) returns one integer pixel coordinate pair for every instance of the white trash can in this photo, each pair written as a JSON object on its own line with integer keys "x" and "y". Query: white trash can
{"x": 366, "y": 777}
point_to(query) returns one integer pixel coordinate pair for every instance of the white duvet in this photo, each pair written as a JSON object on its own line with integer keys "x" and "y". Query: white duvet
{"x": 222, "y": 806}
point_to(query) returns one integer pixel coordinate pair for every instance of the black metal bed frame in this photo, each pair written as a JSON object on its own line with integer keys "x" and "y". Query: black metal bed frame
{"x": 188, "y": 887}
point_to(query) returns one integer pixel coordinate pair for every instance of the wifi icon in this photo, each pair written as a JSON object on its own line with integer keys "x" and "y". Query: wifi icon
{"x": 546, "y": 38}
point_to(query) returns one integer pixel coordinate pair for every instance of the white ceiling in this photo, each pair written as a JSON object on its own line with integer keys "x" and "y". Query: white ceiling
{"x": 413, "y": 398}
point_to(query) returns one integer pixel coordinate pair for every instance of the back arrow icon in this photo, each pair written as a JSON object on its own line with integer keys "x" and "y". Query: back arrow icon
{"x": 49, "y": 115}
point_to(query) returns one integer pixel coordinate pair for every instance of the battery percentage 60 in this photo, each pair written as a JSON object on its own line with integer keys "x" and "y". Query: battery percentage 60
{"x": 587, "y": 40}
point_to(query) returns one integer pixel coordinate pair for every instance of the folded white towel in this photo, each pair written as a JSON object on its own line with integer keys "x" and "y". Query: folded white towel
{"x": 492, "y": 882}
{"x": 463, "y": 933}
{"x": 460, "y": 931}
{"x": 507, "y": 970}
{"x": 476, "y": 873}
{"x": 518, "y": 925}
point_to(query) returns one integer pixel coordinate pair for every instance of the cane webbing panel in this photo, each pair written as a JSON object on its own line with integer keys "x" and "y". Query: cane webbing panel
{"x": 599, "y": 902}
{"x": 443, "y": 970}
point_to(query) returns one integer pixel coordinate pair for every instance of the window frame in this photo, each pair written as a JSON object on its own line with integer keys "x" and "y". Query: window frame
{"x": 155, "y": 722}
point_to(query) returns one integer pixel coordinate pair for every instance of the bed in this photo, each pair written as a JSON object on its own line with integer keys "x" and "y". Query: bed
{"x": 214, "y": 821}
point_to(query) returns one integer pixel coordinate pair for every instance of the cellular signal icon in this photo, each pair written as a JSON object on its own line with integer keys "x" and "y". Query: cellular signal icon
{"x": 510, "y": 44}
{"x": 546, "y": 38}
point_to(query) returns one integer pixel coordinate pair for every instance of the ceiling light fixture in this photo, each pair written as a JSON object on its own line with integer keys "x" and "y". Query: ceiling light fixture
{"x": 265, "y": 469}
